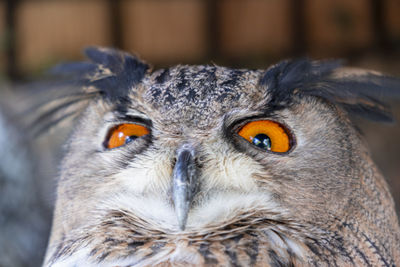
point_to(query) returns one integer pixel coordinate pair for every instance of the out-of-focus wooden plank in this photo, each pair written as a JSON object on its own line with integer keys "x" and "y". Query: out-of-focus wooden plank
{"x": 338, "y": 26}
{"x": 165, "y": 31}
{"x": 114, "y": 8}
{"x": 52, "y": 30}
{"x": 212, "y": 28}
{"x": 255, "y": 27}
{"x": 392, "y": 15}
{"x": 381, "y": 36}
{"x": 298, "y": 28}
{"x": 2, "y": 16}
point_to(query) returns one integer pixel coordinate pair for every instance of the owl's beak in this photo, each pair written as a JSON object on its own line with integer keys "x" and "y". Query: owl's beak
{"x": 184, "y": 183}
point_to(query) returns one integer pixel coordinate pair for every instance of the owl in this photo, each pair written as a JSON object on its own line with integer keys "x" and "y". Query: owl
{"x": 212, "y": 166}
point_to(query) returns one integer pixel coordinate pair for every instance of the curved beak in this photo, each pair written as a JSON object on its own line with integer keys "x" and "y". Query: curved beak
{"x": 184, "y": 183}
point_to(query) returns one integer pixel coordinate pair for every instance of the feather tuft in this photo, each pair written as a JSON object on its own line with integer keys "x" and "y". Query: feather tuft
{"x": 359, "y": 92}
{"x": 112, "y": 72}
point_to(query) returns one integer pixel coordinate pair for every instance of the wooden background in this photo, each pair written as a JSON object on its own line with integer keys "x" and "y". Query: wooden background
{"x": 37, "y": 33}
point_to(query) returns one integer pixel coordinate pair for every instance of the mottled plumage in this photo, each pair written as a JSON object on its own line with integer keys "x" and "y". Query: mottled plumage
{"x": 321, "y": 203}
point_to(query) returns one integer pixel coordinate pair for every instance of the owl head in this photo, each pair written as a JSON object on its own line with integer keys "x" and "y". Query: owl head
{"x": 207, "y": 165}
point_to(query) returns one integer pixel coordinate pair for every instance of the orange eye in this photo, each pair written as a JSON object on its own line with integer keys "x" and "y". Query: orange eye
{"x": 267, "y": 135}
{"x": 125, "y": 133}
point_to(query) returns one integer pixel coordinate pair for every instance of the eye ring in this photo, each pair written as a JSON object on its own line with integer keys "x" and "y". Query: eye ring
{"x": 123, "y": 134}
{"x": 267, "y": 135}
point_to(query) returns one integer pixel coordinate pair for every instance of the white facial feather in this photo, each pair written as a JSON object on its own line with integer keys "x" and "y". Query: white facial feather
{"x": 230, "y": 170}
{"x": 145, "y": 174}
{"x": 218, "y": 209}
{"x": 147, "y": 182}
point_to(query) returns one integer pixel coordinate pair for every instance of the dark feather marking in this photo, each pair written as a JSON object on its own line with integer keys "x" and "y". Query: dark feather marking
{"x": 354, "y": 230}
{"x": 252, "y": 251}
{"x": 376, "y": 250}
{"x": 283, "y": 78}
{"x": 210, "y": 82}
{"x": 314, "y": 249}
{"x": 356, "y": 94}
{"x": 103, "y": 256}
{"x": 275, "y": 260}
{"x": 112, "y": 241}
{"x": 232, "y": 81}
{"x": 237, "y": 238}
{"x": 134, "y": 244}
{"x": 66, "y": 249}
{"x": 191, "y": 96}
{"x": 163, "y": 77}
{"x": 231, "y": 254}
{"x": 183, "y": 83}
{"x": 122, "y": 105}
{"x": 93, "y": 251}
{"x": 325, "y": 246}
{"x": 363, "y": 257}
{"x": 169, "y": 98}
{"x": 107, "y": 223}
{"x": 58, "y": 249}
{"x": 135, "y": 119}
{"x": 209, "y": 257}
{"x": 339, "y": 244}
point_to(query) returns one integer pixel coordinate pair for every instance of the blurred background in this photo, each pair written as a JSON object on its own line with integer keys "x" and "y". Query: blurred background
{"x": 36, "y": 34}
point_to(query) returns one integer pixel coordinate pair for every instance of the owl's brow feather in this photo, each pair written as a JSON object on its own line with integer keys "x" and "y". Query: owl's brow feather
{"x": 53, "y": 103}
{"x": 112, "y": 72}
{"x": 56, "y": 114}
{"x": 357, "y": 91}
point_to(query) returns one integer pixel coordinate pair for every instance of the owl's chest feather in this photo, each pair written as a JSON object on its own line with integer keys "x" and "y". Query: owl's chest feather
{"x": 249, "y": 247}
{"x": 122, "y": 242}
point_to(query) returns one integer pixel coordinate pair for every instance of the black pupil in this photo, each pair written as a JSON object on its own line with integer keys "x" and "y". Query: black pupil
{"x": 129, "y": 139}
{"x": 262, "y": 141}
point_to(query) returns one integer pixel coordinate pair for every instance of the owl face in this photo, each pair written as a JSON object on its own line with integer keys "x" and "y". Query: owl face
{"x": 190, "y": 164}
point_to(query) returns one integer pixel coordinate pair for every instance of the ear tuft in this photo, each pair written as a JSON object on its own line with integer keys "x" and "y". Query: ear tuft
{"x": 358, "y": 91}
{"x": 112, "y": 72}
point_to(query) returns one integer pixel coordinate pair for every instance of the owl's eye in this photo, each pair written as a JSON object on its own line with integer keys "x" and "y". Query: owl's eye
{"x": 267, "y": 135}
{"x": 125, "y": 133}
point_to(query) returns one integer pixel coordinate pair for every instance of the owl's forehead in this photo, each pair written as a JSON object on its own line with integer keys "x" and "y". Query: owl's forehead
{"x": 199, "y": 94}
